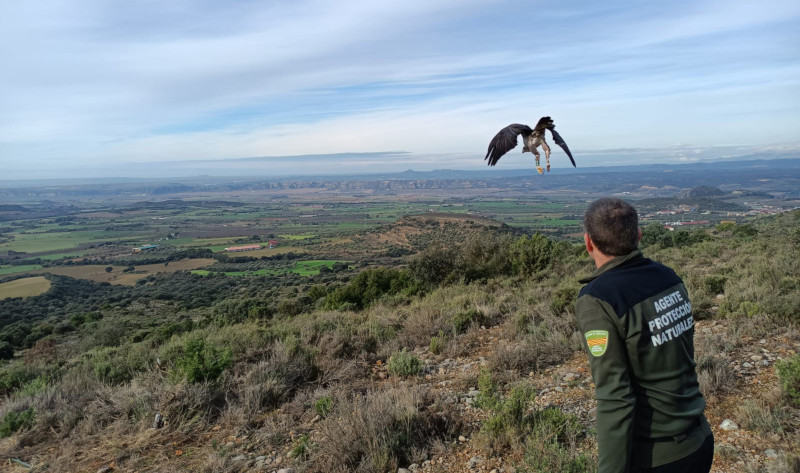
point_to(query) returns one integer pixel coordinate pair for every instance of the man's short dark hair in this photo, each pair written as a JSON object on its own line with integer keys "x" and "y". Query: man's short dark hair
{"x": 613, "y": 226}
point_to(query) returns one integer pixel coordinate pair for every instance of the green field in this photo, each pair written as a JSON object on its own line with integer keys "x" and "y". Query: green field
{"x": 40, "y": 242}
{"x": 303, "y": 268}
{"x": 18, "y": 269}
{"x": 26, "y": 287}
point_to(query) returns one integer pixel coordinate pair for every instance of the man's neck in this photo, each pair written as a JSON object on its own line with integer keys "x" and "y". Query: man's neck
{"x": 600, "y": 258}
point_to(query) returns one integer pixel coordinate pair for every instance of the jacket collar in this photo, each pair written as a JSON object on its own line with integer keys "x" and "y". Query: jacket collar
{"x": 614, "y": 263}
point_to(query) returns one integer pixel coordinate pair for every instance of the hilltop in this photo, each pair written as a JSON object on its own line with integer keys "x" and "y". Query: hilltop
{"x": 426, "y": 359}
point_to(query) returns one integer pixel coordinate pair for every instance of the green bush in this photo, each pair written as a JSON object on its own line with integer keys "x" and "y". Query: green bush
{"x": 438, "y": 343}
{"x": 14, "y": 421}
{"x": 532, "y": 255}
{"x": 404, "y": 364}
{"x": 789, "y": 376}
{"x": 510, "y": 419}
{"x": 487, "y": 391}
{"x": 465, "y": 319}
{"x": 6, "y": 351}
{"x": 301, "y": 448}
{"x": 323, "y": 406}
{"x": 369, "y": 286}
{"x": 715, "y": 283}
{"x": 200, "y": 362}
{"x": 563, "y": 298}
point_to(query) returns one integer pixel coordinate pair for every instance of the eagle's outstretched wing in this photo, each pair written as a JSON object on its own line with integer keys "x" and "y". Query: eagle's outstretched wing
{"x": 504, "y": 141}
{"x": 560, "y": 142}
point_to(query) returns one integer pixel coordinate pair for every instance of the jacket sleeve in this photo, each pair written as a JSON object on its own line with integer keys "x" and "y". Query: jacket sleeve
{"x": 614, "y": 394}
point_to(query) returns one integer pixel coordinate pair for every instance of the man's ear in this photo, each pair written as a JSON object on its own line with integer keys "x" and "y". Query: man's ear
{"x": 589, "y": 243}
{"x": 639, "y": 238}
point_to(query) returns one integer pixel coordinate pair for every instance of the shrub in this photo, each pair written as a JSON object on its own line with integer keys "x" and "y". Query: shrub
{"x": 551, "y": 444}
{"x": 433, "y": 265}
{"x": 404, "y": 364}
{"x": 379, "y": 431}
{"x": 789, "y": 375}
{"x": 200, "y": 362}
{"x": 438, "y": 343}
{"x": 14, "y": 421}
{"x": 369, "y": 286}
{"x": 323, "y": 406}
{"x": 714, "y": 375}
{"x": 510, "y": 420}
{"x": 465, "y": 319}
{"x": 715, "y": 283}
{"x": 534, "y": 254}
{"x": 759, "y": 416}
{"x": 563, "y": 298}
{"x": 6, "y": 351}
{"x": 487, "y": 391}
{"x": 300, "y": 449}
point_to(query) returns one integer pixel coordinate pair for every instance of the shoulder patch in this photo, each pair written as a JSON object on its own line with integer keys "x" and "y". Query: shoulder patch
{"x": 597, "y": 340}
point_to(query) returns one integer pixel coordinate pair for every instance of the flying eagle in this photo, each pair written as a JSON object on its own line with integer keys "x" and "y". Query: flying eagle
{"x": 506, "y": 140}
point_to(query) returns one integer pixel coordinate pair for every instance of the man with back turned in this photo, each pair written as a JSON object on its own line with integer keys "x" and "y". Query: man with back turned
{"x": 636, "y": 320}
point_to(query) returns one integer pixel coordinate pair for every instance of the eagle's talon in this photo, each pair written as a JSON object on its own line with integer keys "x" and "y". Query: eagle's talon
{"x": 548, "y": 168}
{"x": 539, "y": 168}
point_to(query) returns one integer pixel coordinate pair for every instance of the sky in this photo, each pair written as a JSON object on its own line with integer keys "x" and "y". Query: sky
{"x": 97, "y": 88}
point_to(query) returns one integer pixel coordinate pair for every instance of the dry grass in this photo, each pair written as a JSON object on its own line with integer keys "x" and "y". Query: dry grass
{"x": 25, "y": 287}
{"x": 380, "y": 431}
{"x": 97, "y": 272}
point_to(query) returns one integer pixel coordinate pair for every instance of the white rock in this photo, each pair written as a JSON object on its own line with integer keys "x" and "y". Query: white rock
{"x": 770, "y": 453}
{"x": 728, "y": 424}
{"x": 286, "y": 470}
{"x": 747, "y": 365}
{"x": 461, "y": 438}
{"x": 756, "y": 357}
{"x": 402, "y": 470}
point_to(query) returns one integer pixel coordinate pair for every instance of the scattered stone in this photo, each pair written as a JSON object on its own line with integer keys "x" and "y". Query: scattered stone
{"x": 728, "y": 424}
{"x": 261, "y": 458}
{"x": 158, "y": 422}
{"x": 593, "y": 412}
{"x": 756, "y": 357}
{"x": 105, "y": 469}
{"x": 461, "y": 438}
{"x": 747, "y": 365}
{"x": 414, "y": 468}
{"x": 286, "y": 470}
{"x": 474, "y": 461}
{"x": 570, "y": 376}
{"x": 402, "y": 470}
{"x": 770, "y": 453}
{"x": 239, "y": 458}
{"x": 559, "y": 389}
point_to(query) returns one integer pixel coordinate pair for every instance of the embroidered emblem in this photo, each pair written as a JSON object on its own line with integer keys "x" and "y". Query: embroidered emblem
{"x": 597, "y": 341}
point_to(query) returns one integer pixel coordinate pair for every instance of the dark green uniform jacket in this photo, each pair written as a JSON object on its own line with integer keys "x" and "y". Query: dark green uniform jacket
{"x": 636, "y": 321}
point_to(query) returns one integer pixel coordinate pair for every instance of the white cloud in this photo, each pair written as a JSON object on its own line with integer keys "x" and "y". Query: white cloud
{"x": 97, "y": 82}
